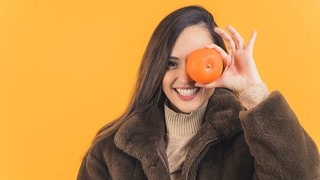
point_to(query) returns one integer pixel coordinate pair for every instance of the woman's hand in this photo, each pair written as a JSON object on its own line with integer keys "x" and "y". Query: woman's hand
{"x": 240, "y": 70}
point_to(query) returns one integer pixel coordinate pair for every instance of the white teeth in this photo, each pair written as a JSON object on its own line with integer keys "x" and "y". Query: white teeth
{"x": 187, "y": 92}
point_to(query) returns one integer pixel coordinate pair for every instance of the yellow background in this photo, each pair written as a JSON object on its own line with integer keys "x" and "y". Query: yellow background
{"x": 67, "y": 67}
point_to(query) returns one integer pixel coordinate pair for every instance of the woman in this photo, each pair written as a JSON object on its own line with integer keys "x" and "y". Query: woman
{"x": 175, "y": 128}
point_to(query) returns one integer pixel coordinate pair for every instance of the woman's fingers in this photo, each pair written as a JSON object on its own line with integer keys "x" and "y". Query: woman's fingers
{"x": 239, "y": 42}
{"x": 252, "y": 40}
{"x": 234, "y": 39}
{"x": 226, "y": 37}
{"x": 240, "y": 69}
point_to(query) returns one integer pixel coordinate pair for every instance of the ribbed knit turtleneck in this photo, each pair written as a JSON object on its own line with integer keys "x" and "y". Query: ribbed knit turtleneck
{"x": 184, "y": 124}
{"x": 180, "y": 130}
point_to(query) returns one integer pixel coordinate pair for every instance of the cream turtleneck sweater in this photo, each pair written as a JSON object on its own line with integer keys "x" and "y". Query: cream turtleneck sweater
{"x": 180, "y": 129}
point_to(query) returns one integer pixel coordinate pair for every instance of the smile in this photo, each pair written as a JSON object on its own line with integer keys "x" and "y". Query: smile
{"x": 187, "y": 92}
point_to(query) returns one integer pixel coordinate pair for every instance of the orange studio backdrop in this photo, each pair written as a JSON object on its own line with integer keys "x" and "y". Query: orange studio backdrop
{"x": 67, "y": 67}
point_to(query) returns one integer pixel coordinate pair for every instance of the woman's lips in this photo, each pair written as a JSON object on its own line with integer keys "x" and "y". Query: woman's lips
{"x": 187, "y": 93}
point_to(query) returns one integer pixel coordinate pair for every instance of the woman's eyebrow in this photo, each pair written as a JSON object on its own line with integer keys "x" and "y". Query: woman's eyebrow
{"x": 173, "y": 58}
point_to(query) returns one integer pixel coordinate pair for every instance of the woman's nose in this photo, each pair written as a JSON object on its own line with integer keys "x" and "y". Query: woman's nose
{"x": 184, "y": 76}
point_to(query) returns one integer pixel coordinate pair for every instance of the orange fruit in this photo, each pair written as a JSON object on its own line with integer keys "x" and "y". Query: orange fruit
{"x": 204, "y": 65}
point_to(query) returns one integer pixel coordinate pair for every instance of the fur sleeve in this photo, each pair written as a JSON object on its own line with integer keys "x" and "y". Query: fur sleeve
{"x": 280, "y": 146}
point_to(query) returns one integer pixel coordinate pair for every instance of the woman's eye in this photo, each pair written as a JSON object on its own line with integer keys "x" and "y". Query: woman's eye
{"x": 171, "y": 64}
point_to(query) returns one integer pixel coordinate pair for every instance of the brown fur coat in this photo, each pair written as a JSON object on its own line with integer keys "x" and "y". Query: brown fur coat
{"x": 266, "y": 142}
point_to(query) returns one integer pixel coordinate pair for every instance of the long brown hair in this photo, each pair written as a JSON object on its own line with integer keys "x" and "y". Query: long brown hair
{"x": 148, "y": 93}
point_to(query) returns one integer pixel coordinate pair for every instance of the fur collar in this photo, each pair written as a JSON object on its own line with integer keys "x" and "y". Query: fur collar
{"x": 143, "y": 137}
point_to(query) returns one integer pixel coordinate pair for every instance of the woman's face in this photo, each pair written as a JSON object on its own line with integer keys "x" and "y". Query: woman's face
{"x": 179, "y": 88}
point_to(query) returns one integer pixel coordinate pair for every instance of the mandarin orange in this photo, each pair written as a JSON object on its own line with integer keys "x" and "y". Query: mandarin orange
{"x": 204, "y": 65}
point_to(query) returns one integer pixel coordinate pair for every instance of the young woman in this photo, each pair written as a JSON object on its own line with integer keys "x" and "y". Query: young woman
{"x": 175, "y": 128}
